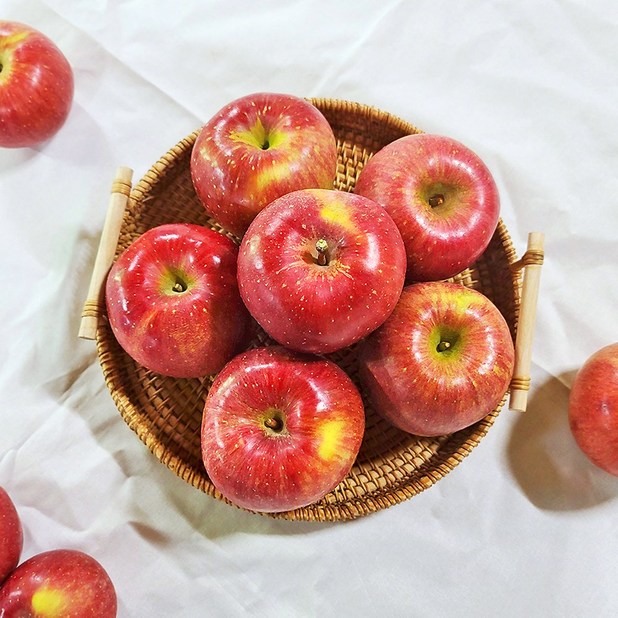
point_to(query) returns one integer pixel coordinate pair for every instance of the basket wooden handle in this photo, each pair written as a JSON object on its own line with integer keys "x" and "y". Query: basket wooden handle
{"x": 120, "y": 192}
{"x": 531, "y": 262}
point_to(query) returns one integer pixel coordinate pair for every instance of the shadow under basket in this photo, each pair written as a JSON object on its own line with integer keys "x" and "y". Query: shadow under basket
{"x": 166, "y": 413}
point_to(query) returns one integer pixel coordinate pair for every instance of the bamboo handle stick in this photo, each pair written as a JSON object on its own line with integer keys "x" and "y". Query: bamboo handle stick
{"x": 531, "y": 262}
{"x": 121, "y": 189}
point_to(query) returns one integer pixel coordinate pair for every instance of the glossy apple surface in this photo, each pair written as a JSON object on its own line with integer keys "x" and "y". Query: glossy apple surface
{"x": 320, "y": 269}
{"x": 280, "y": 429}
{"x": 11, "y": 535}
{"x": 36, "y": 86}
{"x": 61, "y": 583}
{"x": 593, "y": 408}
{"x": 442, "y": 361}
{"x": 442, "y": 197}
{"x": 256, "y": 149}
{"x": 173, "y": 301}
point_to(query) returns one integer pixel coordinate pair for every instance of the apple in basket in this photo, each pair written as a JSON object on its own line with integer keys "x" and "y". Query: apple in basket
{"x": 442, "y": 197}
{"x": 593, "y": 408}
{"x": 36, "y": 86}
{"x": 60, "y": 583}
{"x": 442, "y": 361}
{"x": 319, "y": 269}
{"x": 280, "y": 429}
{"x": 173, "y": 302}
{"x": 256, "y": 149}
{"x": 11, "y": 535}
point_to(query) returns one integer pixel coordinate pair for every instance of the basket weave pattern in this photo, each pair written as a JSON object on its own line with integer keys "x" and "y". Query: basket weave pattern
{"x": 166, "y": 413}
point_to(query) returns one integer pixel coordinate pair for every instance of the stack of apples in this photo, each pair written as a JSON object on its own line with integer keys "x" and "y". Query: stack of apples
{"x": 318, "y": 270}
{"x": 60, "y": 583}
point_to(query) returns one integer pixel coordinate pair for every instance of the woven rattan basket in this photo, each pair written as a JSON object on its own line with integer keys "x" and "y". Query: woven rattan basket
{"x": 165, "y": 413}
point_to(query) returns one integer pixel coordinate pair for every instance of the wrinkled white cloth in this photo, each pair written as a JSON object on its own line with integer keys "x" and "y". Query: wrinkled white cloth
{"x": 525, "y": 526}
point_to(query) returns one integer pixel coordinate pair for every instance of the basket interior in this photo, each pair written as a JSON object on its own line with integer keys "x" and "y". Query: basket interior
{"x": 166, "y": 413}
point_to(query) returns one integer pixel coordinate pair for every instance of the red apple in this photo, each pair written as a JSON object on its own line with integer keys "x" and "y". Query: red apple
{"x": 256, "y": 149}
{"x": 11, "y": 535}
{"x": 280, "y": 429}
{"x": 442, "y": 361}
{"x": 441, "y": 196}
{"x": 593, "y": 408}
{"x": 173, "y": 302}
{"x": 36, "y": 86}
{"x": 320, "y": 269}
{"x": 61, "y": 583}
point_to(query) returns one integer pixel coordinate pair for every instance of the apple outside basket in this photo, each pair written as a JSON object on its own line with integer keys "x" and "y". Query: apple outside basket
{"x": 166, "y": 413}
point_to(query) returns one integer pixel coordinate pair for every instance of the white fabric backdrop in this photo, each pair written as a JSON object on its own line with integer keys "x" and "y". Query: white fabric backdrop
{"x": 525, "y": 526}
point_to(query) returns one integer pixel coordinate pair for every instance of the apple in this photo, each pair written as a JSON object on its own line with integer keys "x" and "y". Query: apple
{"x": 36, "y": 86}
{"x": 173, "y": 302}
{"x": 256, "y": 149}
{"x": 11, "y": 535}
{"x": 441, "y": 196}
{"x": 280, "y": 429}
{"x": 60, "y": 583}
{"x": 319, "y": 269}
{"x": 442, "y": 361}
{"x": 593, "y": 408}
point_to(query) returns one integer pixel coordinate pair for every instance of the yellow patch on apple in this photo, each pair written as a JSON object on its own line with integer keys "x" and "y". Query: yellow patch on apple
{"x": 49, "y": 602}
{"x": 13, "y": 39}
{"x": 8, "y": 44}
{"x": 461, "y": 302}
{"x": 276, "y": 172}
{"x": 329, "y": 433}
{"x": 337, "y": 212}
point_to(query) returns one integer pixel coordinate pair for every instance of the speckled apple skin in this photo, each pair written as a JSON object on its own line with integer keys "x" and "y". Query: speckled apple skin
{"x": 313, "y": 308}
{"x": 322, "y": 418}
{"x": 440, "y": 241}
{"x": 256, "y": 149}
{"x": 593, "y": 408}
{"x": 431, "y": 393}
{"x": 184, "y": 335}
{"x": 36, "y": 86}
{"x": 60, "y": 583}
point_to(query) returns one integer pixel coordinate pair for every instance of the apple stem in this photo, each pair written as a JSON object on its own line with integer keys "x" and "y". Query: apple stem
{"x": 443, "y": 346}
{"x": 179, "y": 287}
{"x": 274, "y": 423}
{"x": 436, "y": 200}
{"x": 321, "y": 246}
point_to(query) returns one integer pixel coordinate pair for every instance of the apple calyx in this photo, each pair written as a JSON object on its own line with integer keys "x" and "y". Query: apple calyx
{"x": 440, "y": 196}
{"x": 175, "y": 282}
{"x": 10, "y": 44}
{"x": 446, "y": 340}
{"x": 5, "y": 66}
{"x": 258, "y": 136}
